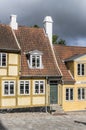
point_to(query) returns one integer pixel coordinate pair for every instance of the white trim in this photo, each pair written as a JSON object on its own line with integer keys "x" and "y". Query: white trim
{"x": 3, "y": 83}
{"x": 79, "y": 58}
{"x": 40, "y": 62}
{"x": 52, "y": 49}
{"x": 70, "y": 74}
{"x": 39, "y": 87}
{"x": 16, "y": 38}
{"x": 24, "y": 87}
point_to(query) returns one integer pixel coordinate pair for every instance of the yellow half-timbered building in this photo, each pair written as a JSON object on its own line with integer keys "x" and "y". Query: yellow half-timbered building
{"x": 35, "y": 73}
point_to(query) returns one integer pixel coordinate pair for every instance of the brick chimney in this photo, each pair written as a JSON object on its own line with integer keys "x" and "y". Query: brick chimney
{"x": 48, "y": 25}
{"x": 13, "y": 23}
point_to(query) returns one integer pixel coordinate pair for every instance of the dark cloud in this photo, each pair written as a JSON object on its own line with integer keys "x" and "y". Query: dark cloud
{"x": 69, "y": 16}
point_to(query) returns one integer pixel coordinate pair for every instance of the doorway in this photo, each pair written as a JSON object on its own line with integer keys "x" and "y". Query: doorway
{"x": 53, "y": 94}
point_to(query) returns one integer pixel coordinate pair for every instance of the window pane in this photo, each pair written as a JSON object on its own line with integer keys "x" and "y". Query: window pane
{"x": 11, "y": 88}
{"x": 36, "y": 88}
{"x": 38, "y": 61}
{"x": 21, "y": 91}
{"x": 21, "y": 87}
{"x": 0, "y": 59}
{"x": 71, "y": 94}
{"x": 3, "y": 59}
{"x": 41, "y": 88}
{"x": 82, "y": 69}
{"x": 6, "y": 89}
{"x": 26, "y": 87}
{"x": 79, "y": 91}
{"x": 78, "y": 69}
{"x": 83, "y": 93}
{"x": 33, "y": 61}
{"x": 67, "y": 94}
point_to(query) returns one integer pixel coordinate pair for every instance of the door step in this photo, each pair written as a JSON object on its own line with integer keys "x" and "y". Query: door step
{"x": 55, "y": 108}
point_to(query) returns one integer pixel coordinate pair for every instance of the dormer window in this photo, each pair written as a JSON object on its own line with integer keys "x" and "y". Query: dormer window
{"x": 35, "y": 59}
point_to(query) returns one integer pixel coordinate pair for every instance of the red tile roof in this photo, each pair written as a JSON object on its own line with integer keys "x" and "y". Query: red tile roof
{"x": 65, "y": 52}
{"x": 7, "y": 40}
{"x": 31, "y": 39}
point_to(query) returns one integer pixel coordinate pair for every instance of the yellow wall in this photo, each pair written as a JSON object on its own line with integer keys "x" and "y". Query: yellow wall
{"x": 12, "y": 67}
{"x": 13, "y": 59}
{"x": 18, "y": 101}
{"x": 75, "y": 104}
{"x": 38, "y": 100}
{"x": 6, "y": 102}
{"x": 78, "y": 77}
{"x": 3, "y": 72}
{"x": 24, "y": 101}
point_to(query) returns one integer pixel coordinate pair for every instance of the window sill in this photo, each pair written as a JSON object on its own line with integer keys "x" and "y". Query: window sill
{"x": 81, "y": 75}
{"x": 81, "y": 100}
{"x": 1, "y": 67}
{"x": 69, "y": 100}
{"x": 24, "y": 94}
{"x": 11, "y": 95}
{"x": 36, "y": 94}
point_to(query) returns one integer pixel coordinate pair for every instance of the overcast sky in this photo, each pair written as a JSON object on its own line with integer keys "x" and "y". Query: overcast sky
{"x": 69, "y": 16}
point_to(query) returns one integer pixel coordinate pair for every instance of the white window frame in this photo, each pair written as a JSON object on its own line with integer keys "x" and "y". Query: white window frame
{"x": 39, "y": 83}
{"x": 40, "y": 61}
{"x": 69, "y": 96}
{"x": 9, "y": 83}
{"x": 80, "y": 69}
{"x": 24, "y": 87}
{"x": 81, "y": 94}
{"x": 1, "y": 60}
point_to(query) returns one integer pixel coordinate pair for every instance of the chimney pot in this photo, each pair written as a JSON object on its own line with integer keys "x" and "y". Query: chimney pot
{"x": 48, "y": 24}
{"x": 13, "y": 23}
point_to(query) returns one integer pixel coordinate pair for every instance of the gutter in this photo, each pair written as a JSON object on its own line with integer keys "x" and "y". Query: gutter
{"x": 42, "y": 76}
{"x": 10, "y": 50}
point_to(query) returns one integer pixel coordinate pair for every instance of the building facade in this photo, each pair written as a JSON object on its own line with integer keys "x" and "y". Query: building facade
{"x": 36, "y": 73}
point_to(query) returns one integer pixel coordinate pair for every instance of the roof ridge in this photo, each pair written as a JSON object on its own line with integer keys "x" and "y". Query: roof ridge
{"x": 69, "y": 46}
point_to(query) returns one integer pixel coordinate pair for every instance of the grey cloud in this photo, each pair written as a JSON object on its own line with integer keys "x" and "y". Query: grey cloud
{"x": 69, "y": 16}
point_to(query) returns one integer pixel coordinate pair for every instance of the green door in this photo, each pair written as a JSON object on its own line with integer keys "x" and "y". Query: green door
{"x": 53, "y": 94}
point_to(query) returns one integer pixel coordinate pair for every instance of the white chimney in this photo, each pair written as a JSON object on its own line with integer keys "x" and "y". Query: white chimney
{"x": 13, "y": 23}
{"x": 48, "y": 25}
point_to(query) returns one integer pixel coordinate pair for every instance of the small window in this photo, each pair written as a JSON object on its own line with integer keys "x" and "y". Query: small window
{"x": 24, "y": 87}
{"x": 39, "y": 87}
{"x": 81, "y": 93}
{"x": 8, "y": 88}
{"x": 2, "y": 59}
{"x": 80, "y": 69}
{"x": 36, "y": 61}
{"x": 69, "y": 93}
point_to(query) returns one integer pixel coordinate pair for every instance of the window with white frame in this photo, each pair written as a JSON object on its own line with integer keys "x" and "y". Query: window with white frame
{"x": 34, "y": 59}
{"x": 39, "y": 87}
{"x": 8, "y": 88}
{"x": 69, "y": 93}
{"x": 24, "y": 87}
{"x": 80, "y": 69}
{"x": 2, "y": 59}
{"x": 81, "y": 93}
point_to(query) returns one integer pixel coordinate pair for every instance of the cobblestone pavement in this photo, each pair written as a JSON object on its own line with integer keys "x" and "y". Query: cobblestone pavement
{"x": 43, "y": 121}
